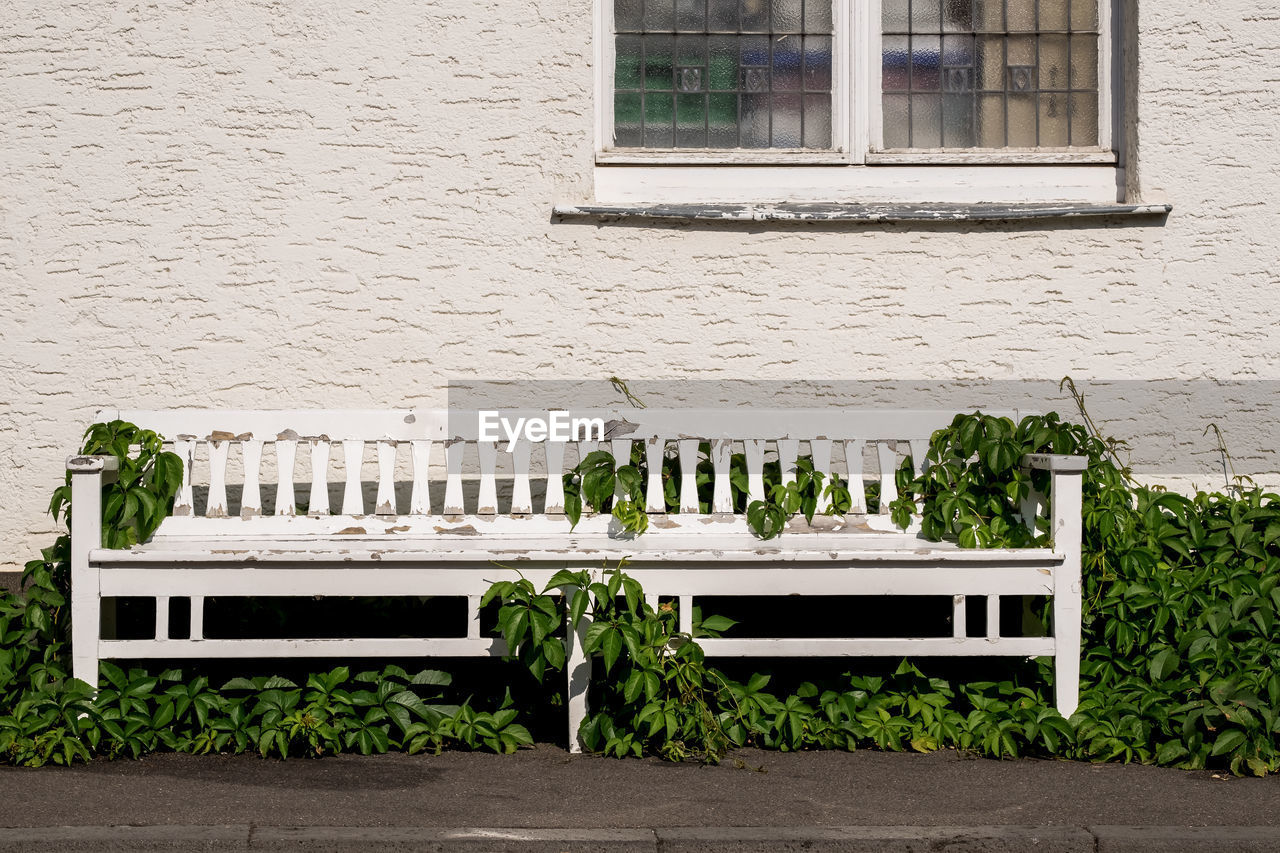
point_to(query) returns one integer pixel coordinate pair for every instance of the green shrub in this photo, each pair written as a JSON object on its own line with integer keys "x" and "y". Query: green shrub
{"x": 1181, "y": 659}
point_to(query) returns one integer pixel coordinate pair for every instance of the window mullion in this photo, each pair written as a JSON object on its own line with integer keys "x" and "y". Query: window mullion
{"x": 860, "y": 100}
{"x": 602, "y": 14}
{"x": 1109, "y": 24}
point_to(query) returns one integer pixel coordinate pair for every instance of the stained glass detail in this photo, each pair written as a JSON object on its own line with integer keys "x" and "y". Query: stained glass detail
{"x": 720, "y": 74}
{"x": 990, "y": 73}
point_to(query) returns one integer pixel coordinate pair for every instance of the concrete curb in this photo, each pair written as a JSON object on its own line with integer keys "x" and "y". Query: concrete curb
{"x": 719, "y": 839}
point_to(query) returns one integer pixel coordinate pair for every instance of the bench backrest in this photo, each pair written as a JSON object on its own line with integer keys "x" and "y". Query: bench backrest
{"x": 409, "y": 443}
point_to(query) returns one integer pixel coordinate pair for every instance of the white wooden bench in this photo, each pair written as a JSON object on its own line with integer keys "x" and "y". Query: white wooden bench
{"x": 395, "y": 545}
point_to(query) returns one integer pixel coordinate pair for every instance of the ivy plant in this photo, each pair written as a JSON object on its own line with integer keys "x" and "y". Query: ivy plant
{"x": 600, "y": 483}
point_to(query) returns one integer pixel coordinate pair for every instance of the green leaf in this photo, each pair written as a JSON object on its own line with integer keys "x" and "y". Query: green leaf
{"x": 611, "y": 646}
{"x": 717, "y": 623}
{"x": 1163, "y": 663}
{"x": 1229, "y": 741}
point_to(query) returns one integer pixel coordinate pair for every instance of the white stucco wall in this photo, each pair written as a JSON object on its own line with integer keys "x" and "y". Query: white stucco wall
{"x": 336, "y": 204}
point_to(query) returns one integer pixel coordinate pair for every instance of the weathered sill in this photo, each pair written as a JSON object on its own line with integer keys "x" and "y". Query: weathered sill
{"x": 895, "y": 212}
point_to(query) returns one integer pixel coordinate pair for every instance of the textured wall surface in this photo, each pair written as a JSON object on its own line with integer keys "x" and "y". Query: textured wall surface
{"x": 337, "y": 204}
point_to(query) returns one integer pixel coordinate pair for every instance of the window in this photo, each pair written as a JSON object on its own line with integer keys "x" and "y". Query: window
{"x": 722, "y": 74}
{"x": 967, "y": 83}
{"x": 993, "y": 74}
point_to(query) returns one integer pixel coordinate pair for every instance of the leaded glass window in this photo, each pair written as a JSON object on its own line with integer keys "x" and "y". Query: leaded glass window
{"x": 990, "y": 73}
{"x": 723, "y": 74}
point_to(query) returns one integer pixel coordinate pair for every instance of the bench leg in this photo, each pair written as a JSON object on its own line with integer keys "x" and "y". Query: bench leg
{"x": 84, "y": 633}
{"x": 86, "y": 604}
{"x": 1066, "y": 660}
{"x": 578, "y": 670}
{"x": 1065, "y": 494}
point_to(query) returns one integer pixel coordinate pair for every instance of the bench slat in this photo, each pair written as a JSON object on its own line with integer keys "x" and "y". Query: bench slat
{"x": 216, "y": 507}
{"x": 521, "y": 492}
{"x": 919, "y": 452}
{"x": 754, "y": 450}
{"x": 721, "y": 493}
{"x": 888, "y": 482}
{"x": 821, "y": 451}
{"x": 386, "y": 501}
{"x": 853, "y": 452}
{"x": 353, "y": 491}
{"x": 487, "y": 500}
{"x": 420, "y": 495}
{"x": 251, "y": 497}
{"x": 688, "y": 449}
{"x": 318, "y": 500}
{"x": 655, "y": 497}
{"x": 621, "y": 450}
{"x": 286, "y": 454}
{"x": 183, "y": 504}
{"x": 453, "y": 478}
{"x": 553, "y": 502}
{"x": 788, "y": 452}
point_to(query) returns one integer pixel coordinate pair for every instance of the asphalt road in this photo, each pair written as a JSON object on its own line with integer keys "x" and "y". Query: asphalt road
{"x": 544, "y": 798}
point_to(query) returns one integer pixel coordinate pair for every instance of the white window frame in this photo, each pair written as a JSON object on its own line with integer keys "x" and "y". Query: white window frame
{"x": 844, "y": 173}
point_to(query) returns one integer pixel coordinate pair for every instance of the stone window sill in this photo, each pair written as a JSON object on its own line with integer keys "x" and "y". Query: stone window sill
{"x": 854, "y": 213}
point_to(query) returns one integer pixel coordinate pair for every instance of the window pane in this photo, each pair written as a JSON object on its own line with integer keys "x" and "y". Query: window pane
{"x": 817, "y": 121}
{"x": 691, "y": 15}
{"x": 1054, "y": 131}
{"x": 787, "y": 121}
{"x": 897, "y": 121}
{"x": 723, "y": 73}
{"x": 659, "y": 15}
{"x": 626, "y": 119}
{"x": 926, "y": 121}
{"x": 1022, "y": 120}
{"x": 957, "y": 15}
{"x": 1084, "y": 120}
{"x": 627, "y": 14}
{"x": 1054, "y": 14}
{"x": 989, "y": 73}
{"x": 817, "y": 16}
{"x": 754, "y": 15}
{"x": 788, "y": 16}
{"x": 897, "y": 16}
{"x": 627, "y": 61}
{"x": 658, "y": 120}
{"x": 924, "y": 16}
{"x": 1084, "y": 14}
{"x": 957, "y": 120}
{"x": 754, "y": 130}
{"x": 691, "y": 121}
{"x": 817, "y": 64}
{"x": 1020, "y": 15}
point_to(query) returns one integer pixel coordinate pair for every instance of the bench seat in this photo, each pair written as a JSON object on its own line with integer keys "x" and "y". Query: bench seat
{"x": 579, "y": 550}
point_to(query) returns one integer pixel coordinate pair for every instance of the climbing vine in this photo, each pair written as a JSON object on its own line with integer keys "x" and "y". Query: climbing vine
{"x": 600, "y": 483}
{"x": 48, "y": 717}
{"x": 1180, "y": 666}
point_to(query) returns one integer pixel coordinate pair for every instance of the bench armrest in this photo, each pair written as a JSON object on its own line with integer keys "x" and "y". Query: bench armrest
{"x": 1066, "y": 531}
{"x": 87, "y": 475}
{"x": 1055, "y": 462}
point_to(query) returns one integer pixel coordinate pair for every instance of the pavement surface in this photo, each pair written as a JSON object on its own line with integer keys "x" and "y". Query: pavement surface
{"x": 546, "y": 799}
